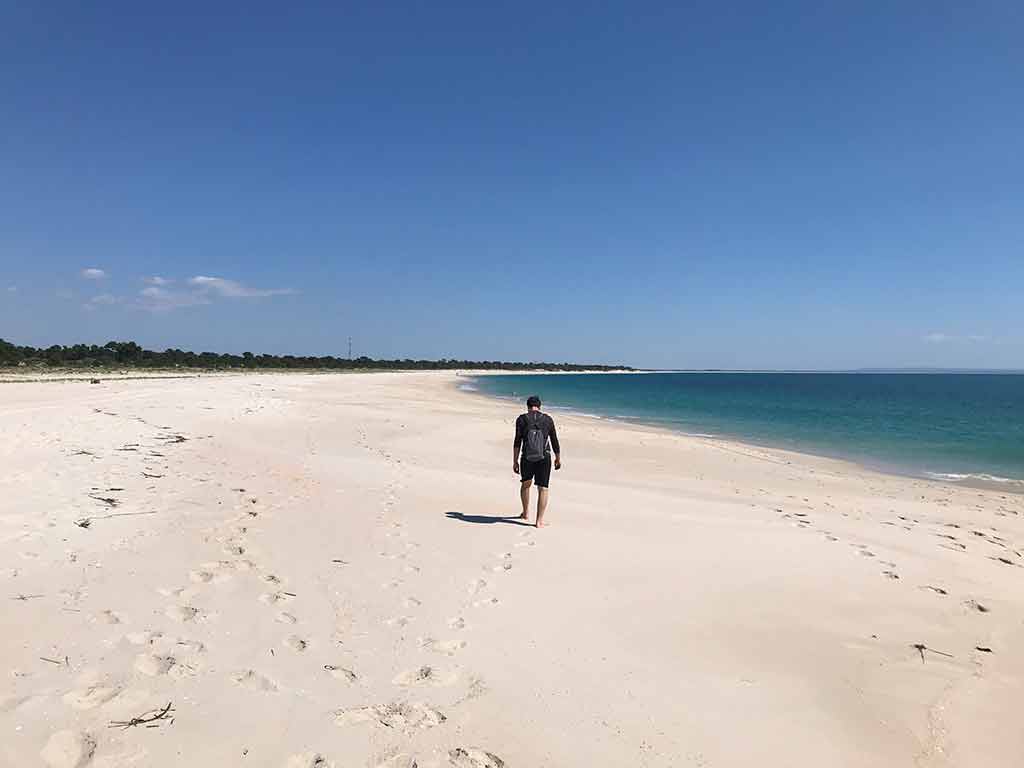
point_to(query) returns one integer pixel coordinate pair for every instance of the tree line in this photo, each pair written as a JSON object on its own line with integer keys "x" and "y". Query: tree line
{"x": 128, "y": 354}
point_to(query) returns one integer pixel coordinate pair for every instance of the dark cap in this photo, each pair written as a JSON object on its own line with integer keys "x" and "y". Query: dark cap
{"x": 533, "y": 402}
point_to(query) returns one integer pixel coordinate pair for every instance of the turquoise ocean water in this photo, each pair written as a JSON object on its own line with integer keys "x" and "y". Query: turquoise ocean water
{"x": 958, "y": 427}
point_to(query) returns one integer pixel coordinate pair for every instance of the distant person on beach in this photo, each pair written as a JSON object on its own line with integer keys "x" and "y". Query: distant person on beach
{"x": 533, "y": 432}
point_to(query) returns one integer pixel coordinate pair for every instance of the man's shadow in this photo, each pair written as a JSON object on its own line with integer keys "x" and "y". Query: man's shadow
{"x": 485, "y": 519}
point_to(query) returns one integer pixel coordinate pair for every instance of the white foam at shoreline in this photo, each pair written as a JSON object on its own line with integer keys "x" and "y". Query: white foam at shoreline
{"x": 956, "y": 477}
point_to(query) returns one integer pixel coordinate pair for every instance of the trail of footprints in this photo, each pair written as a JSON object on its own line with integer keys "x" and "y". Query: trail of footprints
{"x": 403, "y": 714}
{"x": 161, "y": 654}
{"x": 1008, "y": 556}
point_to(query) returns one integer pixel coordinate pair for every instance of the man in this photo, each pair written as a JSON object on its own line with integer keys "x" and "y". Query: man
{"x": 533, "y": 431}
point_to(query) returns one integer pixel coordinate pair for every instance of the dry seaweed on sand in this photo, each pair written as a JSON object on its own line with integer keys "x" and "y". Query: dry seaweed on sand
{"x": 921, "y": 648}
{"x": 85, "y": 522}
{"x": 152, "y": 719}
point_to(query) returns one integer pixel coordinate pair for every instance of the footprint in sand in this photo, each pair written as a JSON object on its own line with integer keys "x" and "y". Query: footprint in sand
{"x": 891, "y": 575}
{"x": 153, "y": 665}
{"x": 477, "y": 586}
{"x": 234, "y": 549}
{"x": 254, "y": 681}
{"x": 109, "y": 617}
{"x": 68, "y": 749}
{"x": 148, "y": 637}
{"x": 91, "y": 696}
{"x": 472, "y": 757}
{"x": 412, "y": 602}
{"x": 273, "y": 598}
{"x": 526, "y": 543}
{"x": 426, "y": 675}
{"x": 399, "y": 715}
{"x": 398, "y": 621}
{"x": 340, "y": 673}
{"x": 296, "y": 643}
{"x": 182, "y": 613}
{"x": 457, "y": 623}
{"x": 218, "y": 571}
{"x": 446, "y": 647}
{"x": 487, "y": 601}
{"x": 189, "y": 646}
{"x": 286, "y": 618}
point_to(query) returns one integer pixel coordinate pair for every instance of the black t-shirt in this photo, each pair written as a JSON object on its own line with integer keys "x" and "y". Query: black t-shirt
{"x": 547, "y": 425}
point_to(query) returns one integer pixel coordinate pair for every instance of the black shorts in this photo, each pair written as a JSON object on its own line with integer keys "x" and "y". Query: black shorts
{"x": 538, "y": 471}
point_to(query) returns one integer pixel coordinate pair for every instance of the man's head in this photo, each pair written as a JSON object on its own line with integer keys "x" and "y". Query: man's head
{"x": 533, "y": 403}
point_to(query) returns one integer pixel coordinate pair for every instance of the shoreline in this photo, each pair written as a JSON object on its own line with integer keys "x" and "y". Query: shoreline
{"x": 979, "y": 481}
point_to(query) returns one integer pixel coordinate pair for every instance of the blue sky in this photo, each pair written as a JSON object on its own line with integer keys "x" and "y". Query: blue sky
{"x": 683, "y": 184}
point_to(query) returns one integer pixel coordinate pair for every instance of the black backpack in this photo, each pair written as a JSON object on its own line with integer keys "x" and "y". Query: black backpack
{"x": 536, "y": 437}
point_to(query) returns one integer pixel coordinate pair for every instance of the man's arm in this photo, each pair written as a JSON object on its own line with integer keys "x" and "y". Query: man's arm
{"x": 555, "y": 446}
{"x": 516, "y": 445}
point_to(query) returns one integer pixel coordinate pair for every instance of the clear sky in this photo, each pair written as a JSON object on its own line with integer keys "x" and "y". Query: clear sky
{"x": 793, "y": 184}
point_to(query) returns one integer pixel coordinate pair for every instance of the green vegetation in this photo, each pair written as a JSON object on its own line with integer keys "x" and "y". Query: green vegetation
{"x": 128, "y": 354}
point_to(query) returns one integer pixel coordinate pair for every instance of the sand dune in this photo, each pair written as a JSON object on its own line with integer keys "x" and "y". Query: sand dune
{"x": 313, "y": 571}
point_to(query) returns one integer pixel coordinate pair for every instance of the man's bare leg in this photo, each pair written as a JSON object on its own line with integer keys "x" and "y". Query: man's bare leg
{"x": 542, "y": 505}
{"x": 524, "y": 496}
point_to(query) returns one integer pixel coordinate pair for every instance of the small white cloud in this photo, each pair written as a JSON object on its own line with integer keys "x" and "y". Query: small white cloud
{"x": 93, "y": 274}
{"x": 200, "y": 290}
{"x": 234, "y": 290}
{"x": 157, "y": 299}
{"x": 949, "y": 338}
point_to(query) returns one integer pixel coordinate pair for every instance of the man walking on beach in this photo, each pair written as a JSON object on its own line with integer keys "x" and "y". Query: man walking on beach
{"x": 533, "y": 431}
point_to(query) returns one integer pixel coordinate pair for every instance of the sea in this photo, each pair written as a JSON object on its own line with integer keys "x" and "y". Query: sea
{"x": 958, "y": 427}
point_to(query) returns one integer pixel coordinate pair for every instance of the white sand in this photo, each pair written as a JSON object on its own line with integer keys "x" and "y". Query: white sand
{"x": 694, "y": 603}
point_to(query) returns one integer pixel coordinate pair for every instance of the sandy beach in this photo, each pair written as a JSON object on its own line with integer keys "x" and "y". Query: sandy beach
{"x": 322, "y": 570}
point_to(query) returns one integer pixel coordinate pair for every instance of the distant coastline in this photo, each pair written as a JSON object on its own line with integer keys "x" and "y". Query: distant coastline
{"x": 130, "y": 355}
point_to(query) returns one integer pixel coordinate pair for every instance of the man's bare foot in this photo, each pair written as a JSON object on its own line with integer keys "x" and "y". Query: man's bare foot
{"x": 524, "y": 516}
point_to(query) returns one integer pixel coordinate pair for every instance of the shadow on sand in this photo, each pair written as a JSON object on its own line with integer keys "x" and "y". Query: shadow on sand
{"x": 514, "y": 520}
